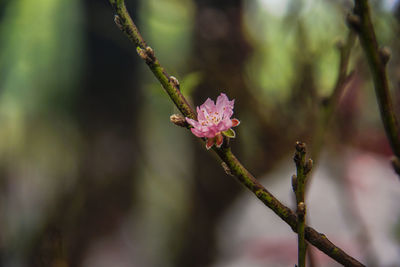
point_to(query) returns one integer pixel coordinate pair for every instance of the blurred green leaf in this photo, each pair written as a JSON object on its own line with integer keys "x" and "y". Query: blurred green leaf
{"x": 190, "y": 82}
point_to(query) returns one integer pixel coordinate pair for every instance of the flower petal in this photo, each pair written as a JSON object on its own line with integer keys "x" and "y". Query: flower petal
{"x": 209, "y": 106}
{"x": 222, "y": 100}
{"x": 211, "y": 132}
{"x": 214, "y": 119}
{"x": 192, "y": 122}
{"x": 224, "y": 125}
{"x": 200, "y": 114}
{"x": 224, "y": 106}
{"x": 197, "y": 133}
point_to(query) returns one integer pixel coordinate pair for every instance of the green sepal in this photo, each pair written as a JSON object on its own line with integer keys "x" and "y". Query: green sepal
{"x": 229, "y": 133}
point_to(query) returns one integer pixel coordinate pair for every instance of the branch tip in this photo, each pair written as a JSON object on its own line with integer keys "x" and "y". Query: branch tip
{"x": 300, "y": 147}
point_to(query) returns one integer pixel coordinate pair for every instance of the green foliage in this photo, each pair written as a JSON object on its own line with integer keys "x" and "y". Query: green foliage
{"x": 167, "y": 25}
{"x": 39, "y": 63}
{"x": 281, "y": 39}
{"x": 190, "y": 81}
{"x": 40, "y": 50}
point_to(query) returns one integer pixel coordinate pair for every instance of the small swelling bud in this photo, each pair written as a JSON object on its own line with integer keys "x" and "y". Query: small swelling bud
{"x": 300, "y": 147}
{"x": 385, "y": 54}
{"x": 301, "y": 209}
{"x": 150, "y": 53}
{"x": 226, "y": 169}
{"x": 178, "y": 120}
{"x": 146, "y": 54}
{"x": 174, "y": 81}
{"x": 117, "y": 21}
{"x": 308, "y": 166}
{"x": 353, "y": 21}
{"x": 142, "y": 53}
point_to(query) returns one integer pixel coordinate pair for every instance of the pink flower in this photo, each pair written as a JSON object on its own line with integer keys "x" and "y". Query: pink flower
{"x": 214, "y": 120}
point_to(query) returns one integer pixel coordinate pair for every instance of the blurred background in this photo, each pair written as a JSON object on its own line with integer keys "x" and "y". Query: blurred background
{"x": 92, "y": 172}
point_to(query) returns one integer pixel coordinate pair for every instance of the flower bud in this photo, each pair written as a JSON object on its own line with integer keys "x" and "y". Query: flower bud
{"x": 178, "y": 120}
{"x": 385, "y": 54}
{"x": 174, "y": 82}
{"x": 226, "y": 169}
{"x": 301, "y": 209}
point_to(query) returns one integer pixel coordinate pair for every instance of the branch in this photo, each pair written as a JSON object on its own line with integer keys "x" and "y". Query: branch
{"x": 298, "y": 183}
{"x": 171, "y": 86}
{"x": 360, "y": 21}
{"x": 330, "y": 104}
{"x": 319, "y": 240}
{"x": 169, "y": 83}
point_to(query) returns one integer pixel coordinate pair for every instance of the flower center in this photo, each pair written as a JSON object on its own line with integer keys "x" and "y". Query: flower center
{"x": 213, "y": 118}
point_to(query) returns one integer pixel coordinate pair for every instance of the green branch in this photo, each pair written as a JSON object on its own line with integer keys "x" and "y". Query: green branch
{"x": 299, "y": 187}
{"x": 169, "y": 83}
{"x": 377, "y": 59}
{"x": 171, "y": 86}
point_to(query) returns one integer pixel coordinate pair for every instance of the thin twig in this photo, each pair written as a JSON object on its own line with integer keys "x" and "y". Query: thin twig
{"x": 318, "y": 240}
{"x": 377, "y": 58}
{"x": 330, "y": 104}
{"x": 298, "y": 183}
{"x": 125, "y": 23}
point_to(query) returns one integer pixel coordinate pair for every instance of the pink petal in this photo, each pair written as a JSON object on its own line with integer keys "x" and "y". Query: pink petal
{"x": 224, "y": 125}
{"x": 222, "y": 100}
{"x": 197, "y": 133}
{"x": 192, "y": 122}
{"x": 227, "y": 109}
{"x": 223, "y": 106}
{"x": 211, "y": 132}
{"x": 209, "y": 106}
{"x": 200, "y": 114}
